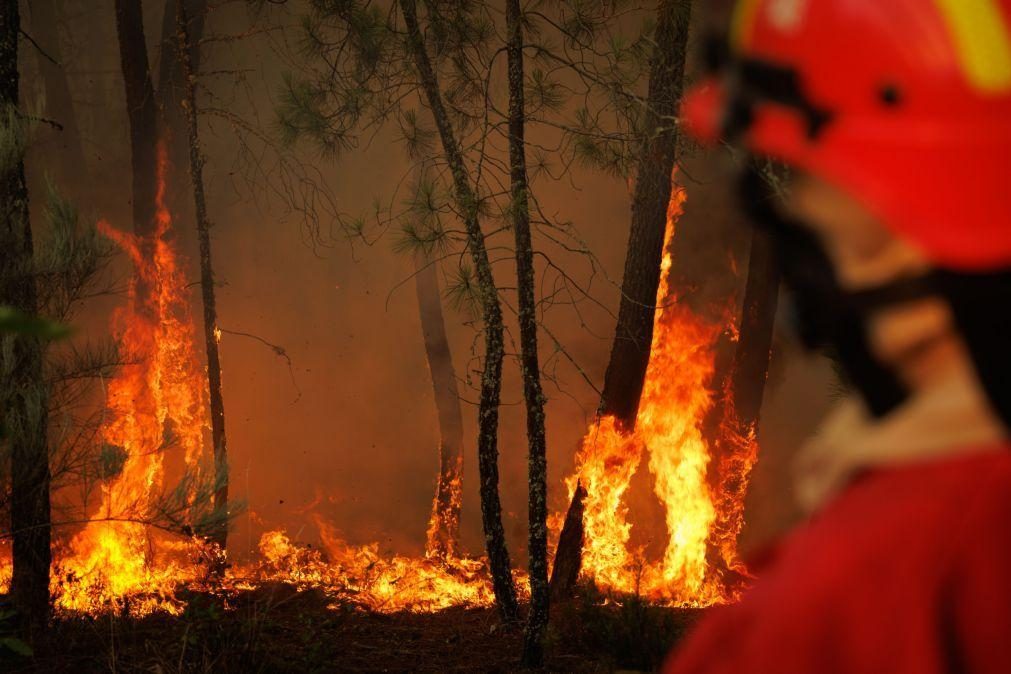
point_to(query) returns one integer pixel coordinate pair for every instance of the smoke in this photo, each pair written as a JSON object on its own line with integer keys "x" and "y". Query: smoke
{"x": 343, "y": 426}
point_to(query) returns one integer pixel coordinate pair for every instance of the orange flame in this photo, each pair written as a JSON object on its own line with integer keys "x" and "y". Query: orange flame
{"x": 362, "y": 575}
{"x": 156, "y": 404}
{"x": 444, "y": 523}
{"x": 675, "y": 400}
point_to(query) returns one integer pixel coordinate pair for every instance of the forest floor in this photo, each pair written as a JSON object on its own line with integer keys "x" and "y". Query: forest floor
{"x": 277, "y": 628}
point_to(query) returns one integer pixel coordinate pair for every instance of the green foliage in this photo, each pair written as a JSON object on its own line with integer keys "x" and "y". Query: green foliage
{"x": 355, "y": 58}
{"x": 16, "y": 646}
{"x": 188, "y": 507}
{"x": 10, "y": 642}
{"x": 111, "y": 460}
{"x": 593, "y": 148}
{"x": 462, "y": 290}
{"x": 13, "y": 321}
{"x": 419, "y": 139}
{"x": 69, "y": 258}
{"x": 544, "y": 93}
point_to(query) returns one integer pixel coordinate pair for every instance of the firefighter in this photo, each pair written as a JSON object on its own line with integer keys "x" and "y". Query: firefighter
{"x": 894, "y": 117}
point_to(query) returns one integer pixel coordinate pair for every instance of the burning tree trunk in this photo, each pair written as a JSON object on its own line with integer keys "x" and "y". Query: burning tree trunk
{"x": 59, "y": 104}
{"x": 491, "y": 310}
{"x": 626, "y": 368}
{"x": 444, "y": 525}
{"x": 743, "y": 391}
{"x": 537, "y": 621}
{"x": 142, "y": 113}
{"x": 196, "y": 163}
{"x": 23, "y": 401}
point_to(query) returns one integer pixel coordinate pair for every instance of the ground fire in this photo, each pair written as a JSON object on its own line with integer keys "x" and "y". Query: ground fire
{"x": 218, "y": 414}
{"x": 156, "y": 405}
{"x": 413, "y": 336}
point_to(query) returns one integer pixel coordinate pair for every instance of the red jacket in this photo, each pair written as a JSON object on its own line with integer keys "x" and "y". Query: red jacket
{"x": 908, "y": 571}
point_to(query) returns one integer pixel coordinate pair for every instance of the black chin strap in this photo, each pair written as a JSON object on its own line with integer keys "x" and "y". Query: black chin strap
{"x": 827, "y": 315}
{"x": 981, "y": 305}
{"x": 830, "y": 316}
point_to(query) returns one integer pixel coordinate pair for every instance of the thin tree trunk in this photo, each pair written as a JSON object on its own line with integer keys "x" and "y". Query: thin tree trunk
{"x": 142, "y": 113}
{"x": 196, "y": 163}
{"x": 73, "y": 169}
{"x": 626, "y": 368}
{"x": 171, "y": 76}
{"x": 23, "y": 400}
{"x": 494, "y": 347}
{"x": 444, "y": 525}
{"x": 537, "y": 620}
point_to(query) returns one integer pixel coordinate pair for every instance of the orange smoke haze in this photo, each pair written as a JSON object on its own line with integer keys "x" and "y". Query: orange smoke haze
{"x": 334, "y": 444}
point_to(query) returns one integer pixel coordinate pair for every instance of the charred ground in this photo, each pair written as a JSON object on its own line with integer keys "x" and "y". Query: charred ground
{"x": 276, "y": 628}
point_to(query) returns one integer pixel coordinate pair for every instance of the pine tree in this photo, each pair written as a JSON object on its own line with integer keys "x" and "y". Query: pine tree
{"x": 188, "y": 106}
{"x": 626, "y": 368}
{"x": 142, "y": 114}
{"x": 491, "y": 314}
{"x": 537, "y": 621}
{"x": 422, "y": 238}
{"x": 376, "y": 71}
{"x": 22, "y": 389}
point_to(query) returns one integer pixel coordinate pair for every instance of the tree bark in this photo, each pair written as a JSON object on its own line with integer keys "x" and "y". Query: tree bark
{"x": 626, "y": 368}
{"x": 188, "y": 104}
{"x": 73, "y": 169}
{"x": 142, "y": 113}
{"x": 171, "y": 75}
{"x": 23, "y": 402}
{"x": 491, "y": 310}
{"x": 633, "y": 334}
{"x": 568, "y": 557}
{"x": 537, "y": 462}
{"x": 444, "y": 525}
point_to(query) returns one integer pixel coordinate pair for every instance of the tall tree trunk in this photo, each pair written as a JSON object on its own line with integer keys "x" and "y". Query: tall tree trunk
{"x": 196, "y": 163}
{"x": 72, "y": 169}
{"x": 171, "y": 76}
{"x": 626, "y": 368}
{"x": 444, "y": 525}
{"x": 23, "y": 402}
{"x": 142, "y": 113}
{"x": 491, "y": 310}
{"x": 537, "y": 620}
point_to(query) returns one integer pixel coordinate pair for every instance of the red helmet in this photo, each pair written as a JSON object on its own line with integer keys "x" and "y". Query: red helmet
{"x": 905, "y": 104}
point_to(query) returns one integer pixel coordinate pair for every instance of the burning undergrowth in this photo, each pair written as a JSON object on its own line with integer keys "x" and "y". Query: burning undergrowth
{"x": 126, "y": 562}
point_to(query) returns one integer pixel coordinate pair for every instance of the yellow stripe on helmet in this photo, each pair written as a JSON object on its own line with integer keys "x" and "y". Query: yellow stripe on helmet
{"x": 745, "y": 15}
{"x": 982, "y": 41}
